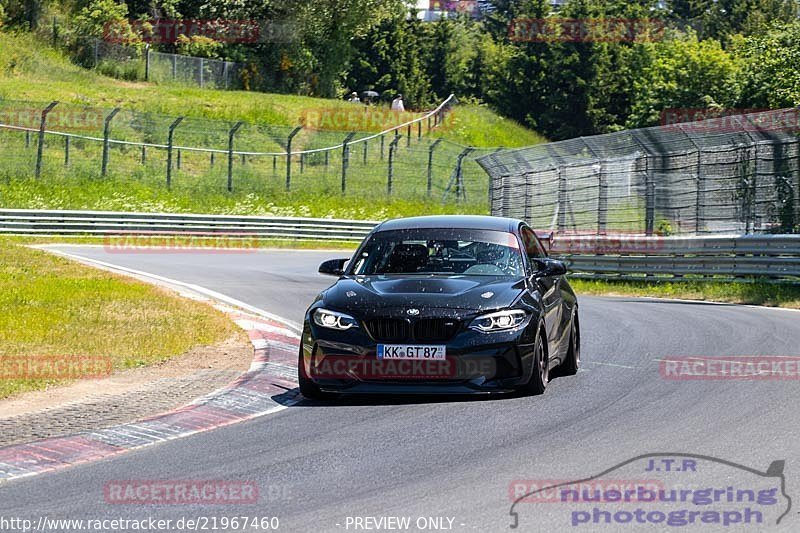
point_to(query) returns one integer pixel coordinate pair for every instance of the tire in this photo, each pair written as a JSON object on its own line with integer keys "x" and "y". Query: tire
{"x": 540, "y": 374}
{"x": 308, "y": 388}
{"x": 572, "y": 362}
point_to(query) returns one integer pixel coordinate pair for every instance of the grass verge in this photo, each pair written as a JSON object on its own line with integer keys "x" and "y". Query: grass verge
{"x": 60, "y": 310}
{"x": 755, "y": 293}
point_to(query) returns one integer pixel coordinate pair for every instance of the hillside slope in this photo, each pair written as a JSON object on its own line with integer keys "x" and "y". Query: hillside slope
{"x": 30, "y": 70}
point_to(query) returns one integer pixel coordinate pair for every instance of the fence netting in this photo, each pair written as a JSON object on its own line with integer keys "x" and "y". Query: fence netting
{"x": 737, "y": 175}
{"x": 93, "y": 147}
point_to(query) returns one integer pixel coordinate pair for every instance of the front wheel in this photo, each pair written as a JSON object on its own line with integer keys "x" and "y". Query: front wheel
{"x": 540, "y": 375}
{"x": 308, "y": 388}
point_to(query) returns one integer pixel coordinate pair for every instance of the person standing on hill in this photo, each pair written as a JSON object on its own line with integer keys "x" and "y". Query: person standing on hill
{"x": 397, "y": 104}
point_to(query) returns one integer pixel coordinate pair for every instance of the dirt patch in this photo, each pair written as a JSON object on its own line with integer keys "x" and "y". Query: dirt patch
{"x": 200, "y": 371}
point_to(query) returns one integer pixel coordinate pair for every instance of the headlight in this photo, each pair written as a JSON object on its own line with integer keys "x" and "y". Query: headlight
{"x": 334, "y": 320}
{"x": 499, "y": 321}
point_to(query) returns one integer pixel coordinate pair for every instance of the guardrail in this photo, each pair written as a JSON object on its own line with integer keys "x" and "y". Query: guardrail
{"x": 718, "y": 258}
{"x": 100, "y": 223}
{"x": 623, "y": 257}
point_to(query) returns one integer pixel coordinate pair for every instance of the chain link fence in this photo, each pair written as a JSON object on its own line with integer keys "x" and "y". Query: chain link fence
{"x": 143, "y": 63}
{"x": 54, "y": 143}
{"x": 736, "y": 174}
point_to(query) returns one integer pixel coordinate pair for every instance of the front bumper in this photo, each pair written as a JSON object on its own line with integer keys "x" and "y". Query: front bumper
{"x": 476, "y": 363}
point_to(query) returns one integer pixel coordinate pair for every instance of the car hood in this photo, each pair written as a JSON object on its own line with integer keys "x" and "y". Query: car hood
{"x": 477, "y": 293}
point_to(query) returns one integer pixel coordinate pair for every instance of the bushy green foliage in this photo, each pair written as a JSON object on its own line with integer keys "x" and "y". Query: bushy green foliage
{"x": 713, "y": 53}
{"x": 770, "y": 77}
{"x": 681, "y": 72}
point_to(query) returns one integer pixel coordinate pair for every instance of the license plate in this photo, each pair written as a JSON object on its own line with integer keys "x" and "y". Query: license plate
{"x": 411, "y": 351}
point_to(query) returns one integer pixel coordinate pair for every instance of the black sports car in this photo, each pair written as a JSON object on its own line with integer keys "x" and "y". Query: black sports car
{"x": 441, "y": 304}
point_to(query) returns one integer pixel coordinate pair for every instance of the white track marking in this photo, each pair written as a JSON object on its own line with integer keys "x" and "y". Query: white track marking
{"x": 190, "y": 286}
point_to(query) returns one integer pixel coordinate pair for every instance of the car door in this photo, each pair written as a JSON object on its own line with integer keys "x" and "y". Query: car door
{"x": 549, "y": 288}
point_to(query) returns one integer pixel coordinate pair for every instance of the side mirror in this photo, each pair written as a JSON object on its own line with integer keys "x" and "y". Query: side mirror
{"x": 333, "y": 267}
{"x": 546, "y": 267}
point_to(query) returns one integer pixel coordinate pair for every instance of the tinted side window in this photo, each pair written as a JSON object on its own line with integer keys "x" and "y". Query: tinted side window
{"x": 531, "y": 243}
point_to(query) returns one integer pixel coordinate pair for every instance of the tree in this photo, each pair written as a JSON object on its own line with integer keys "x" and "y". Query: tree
{"x": 769, "y": 75}
{"x": 682, "y": 72}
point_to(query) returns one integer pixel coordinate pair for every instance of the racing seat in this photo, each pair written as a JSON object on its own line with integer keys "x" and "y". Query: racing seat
{"x": 407, "y": 258}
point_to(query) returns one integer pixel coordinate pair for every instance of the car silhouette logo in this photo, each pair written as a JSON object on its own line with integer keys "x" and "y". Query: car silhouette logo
{"x": 413, "y": 311}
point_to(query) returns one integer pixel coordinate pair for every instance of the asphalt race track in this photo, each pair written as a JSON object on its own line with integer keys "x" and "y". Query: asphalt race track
{"x": 317, "y": 464}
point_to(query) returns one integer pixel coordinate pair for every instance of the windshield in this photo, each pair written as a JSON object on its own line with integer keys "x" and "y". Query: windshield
{"x": 440, "y": 252}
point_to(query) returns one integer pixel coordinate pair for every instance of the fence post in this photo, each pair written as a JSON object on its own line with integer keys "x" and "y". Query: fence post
{"x": 431, "y": 148}
{"x": 66, "y": 151}
{"x": 526, "y": 213}
{"x": 382, "y": 146}
{"x": 650, "y": 186}
{"x": 231, "y": 135}
{"x": 144, "y": 154}
{"x": 461, "y": 190}
{"x": 650, "y": 202}
{"x": 419, "y": 130}
{"x": 174, "y": 67}
{"x": 602, "y": 201}
{"x": 408, "y": 141}
{"x": 170, "y": 136}
{"x": 602, "y": 191}
{"x": 346, "y": 158}
{"x": 289, "y": 156}
{"x": 147, "y": 62}
{"x": 201, "y": 73}
{"x": 27, "y": 139}
{"x": 302, "y": 162}
{"x": 797, "y": 188}
{"x": 392, "y": 148}
{"x": 562, "y": 199}
{"x": 365, "y": 152}
{"x": 106, "y": 133}
{"x": 178, "y": 162}
{"x": 40, "y": 146}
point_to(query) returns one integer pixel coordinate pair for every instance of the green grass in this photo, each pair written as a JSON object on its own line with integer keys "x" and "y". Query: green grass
{"x": 30, "y": 71}
{"x": 755, "y": 293}
{"x": 52, "y": 307}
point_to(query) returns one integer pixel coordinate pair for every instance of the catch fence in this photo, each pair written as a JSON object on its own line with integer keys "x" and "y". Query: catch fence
{"x": 736, "y": 174}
